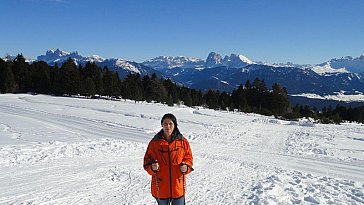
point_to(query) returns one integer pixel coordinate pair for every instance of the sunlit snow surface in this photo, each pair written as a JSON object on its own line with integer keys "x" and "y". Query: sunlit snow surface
{"x": 56, "y": 150}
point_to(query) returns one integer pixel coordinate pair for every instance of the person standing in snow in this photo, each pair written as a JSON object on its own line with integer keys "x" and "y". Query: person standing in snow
{"x": 168, "y": 159}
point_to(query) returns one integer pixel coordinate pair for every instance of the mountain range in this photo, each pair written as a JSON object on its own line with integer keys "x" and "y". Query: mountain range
{"x": 123, "y": 67}
{"x": 226, "y": 73}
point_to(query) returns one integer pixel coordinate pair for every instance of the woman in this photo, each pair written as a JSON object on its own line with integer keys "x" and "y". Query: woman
{"x": 168, "y": 159}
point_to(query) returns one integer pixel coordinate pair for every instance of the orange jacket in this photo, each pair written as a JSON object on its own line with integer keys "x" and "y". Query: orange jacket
{"x": 170, "y": 157}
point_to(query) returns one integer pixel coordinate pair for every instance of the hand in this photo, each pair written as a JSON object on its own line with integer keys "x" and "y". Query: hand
{"x": 183, "y": 168}
{"x": 155, "y": 166}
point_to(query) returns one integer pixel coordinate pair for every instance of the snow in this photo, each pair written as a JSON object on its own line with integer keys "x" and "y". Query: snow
{"x": 338, "y": 96}
{"x": 326, "y": 69}
{"x": 95, "y": 58}
{"x": 245, "y": 59}
{"x": 56, "y": 150}
{"x": 169, "y": 62}
{"x": 126, "y": 65}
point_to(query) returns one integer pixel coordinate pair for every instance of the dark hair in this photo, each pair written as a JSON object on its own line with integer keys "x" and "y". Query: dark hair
{"x": 171, "y": 117}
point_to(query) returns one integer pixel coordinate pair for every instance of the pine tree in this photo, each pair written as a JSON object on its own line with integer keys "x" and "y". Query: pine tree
{"x": 94, "y": 72}
{"x": 89, "y": 87}
{"x": 212, "y": 99}
{"x": 278, "y": 101}
{"x": 186, "y": 96}
{"x": 111, "y": 83}
{"x": 132, "y": 87}
{"x": 224, "y": 100}
{"x": 238, "y": 97}
{"x": 154, "y": 89}
{"x": 259, "y": 85}
{"x": 41, "y": 77}
{"x": 248, "y": 85}
{"x": 7, "y": 81}
{"x": 70, "y": 78}
{"x": 21, "y": 74}
{"x": 56, "y": 80}
{"x": 171, "y": 90}
{"x": 197, "y": 98}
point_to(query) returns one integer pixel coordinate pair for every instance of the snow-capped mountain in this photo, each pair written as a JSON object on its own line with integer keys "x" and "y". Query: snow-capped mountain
{"x": 288, "y": 64}
{"x": 236, "y": 61}
{"x": 228, "y": 72}
{"x": 123, "y": 67}
{"x": 354, "y": 65}
{"x": 334, "y": 66}
{"x": 233, "y": 61}
{"x": 9, "y": 57}
{"x": 58, "y": 56}
{"x": 213, "y": 60}
{"x": 327, "y": 69}
{"x": 225, "y": 74}
{"x": 168, "y": 62}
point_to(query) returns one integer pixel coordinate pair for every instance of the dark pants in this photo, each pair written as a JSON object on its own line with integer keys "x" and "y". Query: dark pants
{"x": 179, "y": 201}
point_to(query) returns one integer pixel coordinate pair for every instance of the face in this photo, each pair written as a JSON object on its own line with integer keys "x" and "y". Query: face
{"x": 167, "y": 126}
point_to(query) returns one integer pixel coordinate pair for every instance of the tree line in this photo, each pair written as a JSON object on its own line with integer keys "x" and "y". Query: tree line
{"x": 329, "y": 114}
{"x": 18, "y": 76}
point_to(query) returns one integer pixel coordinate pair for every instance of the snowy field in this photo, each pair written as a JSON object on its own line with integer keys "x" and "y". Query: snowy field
{"x": 56, "y": 150}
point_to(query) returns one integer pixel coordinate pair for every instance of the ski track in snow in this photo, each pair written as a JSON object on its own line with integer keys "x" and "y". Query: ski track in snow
{"x": 76, "y": 151}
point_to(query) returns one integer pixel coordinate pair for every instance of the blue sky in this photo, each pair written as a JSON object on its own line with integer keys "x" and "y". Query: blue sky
{"x": 298, "y": 31}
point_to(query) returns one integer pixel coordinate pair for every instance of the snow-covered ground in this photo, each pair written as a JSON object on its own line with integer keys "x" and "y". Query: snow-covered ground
{"x": 338, "y": 96}
{"x": 56, "y": 150}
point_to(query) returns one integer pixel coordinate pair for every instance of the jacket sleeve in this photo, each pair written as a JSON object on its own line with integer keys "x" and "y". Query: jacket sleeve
{"x": 149, "y": 158}
{"x": 188, "y": 158}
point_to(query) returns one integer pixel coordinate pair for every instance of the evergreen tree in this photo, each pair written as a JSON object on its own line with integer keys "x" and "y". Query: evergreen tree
{"x": 147, "y": 88}
{"x": 70, "y": 78}
{"x": 88, "y": 87}
{"x": 186, "y": 96}
{"x": 197, "y": 98}
{"x": 56, "y": 81}
{"x": 41, "y": 77}
{"x": 248, "y": 85}
{"x": 154, "y": 89}
{"x": 279, "y": 103}
{"x": 21, "y": 74}
{"x": 132, "y": 87}
{"x": 224, "y": 100}
{"x": 172, "y": 91}
{"x": 336, "y": 118}
{"x": 239, "y": 98}
{"x": 259, "y": 85}
{"x": 7, "y": 81}
{"x": 94, "y": 72}
{"x": 212, "y": 99}
{"x": 111, "y": 83}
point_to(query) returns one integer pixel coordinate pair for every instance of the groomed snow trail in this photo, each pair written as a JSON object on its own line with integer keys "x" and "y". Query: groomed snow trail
{"x": 57, "y": 150}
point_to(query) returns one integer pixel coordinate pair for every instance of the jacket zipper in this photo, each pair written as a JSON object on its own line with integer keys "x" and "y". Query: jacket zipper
{"x": 170, "y": 172}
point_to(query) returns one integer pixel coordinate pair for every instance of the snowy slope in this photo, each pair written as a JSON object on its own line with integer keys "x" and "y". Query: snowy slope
{"x": 56, "y": 150}
{"x": 339, "y": 96}
{"x": 326, "y": 69}
{"x": 355, "y": 65}
{"x": 168, "y": 62}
